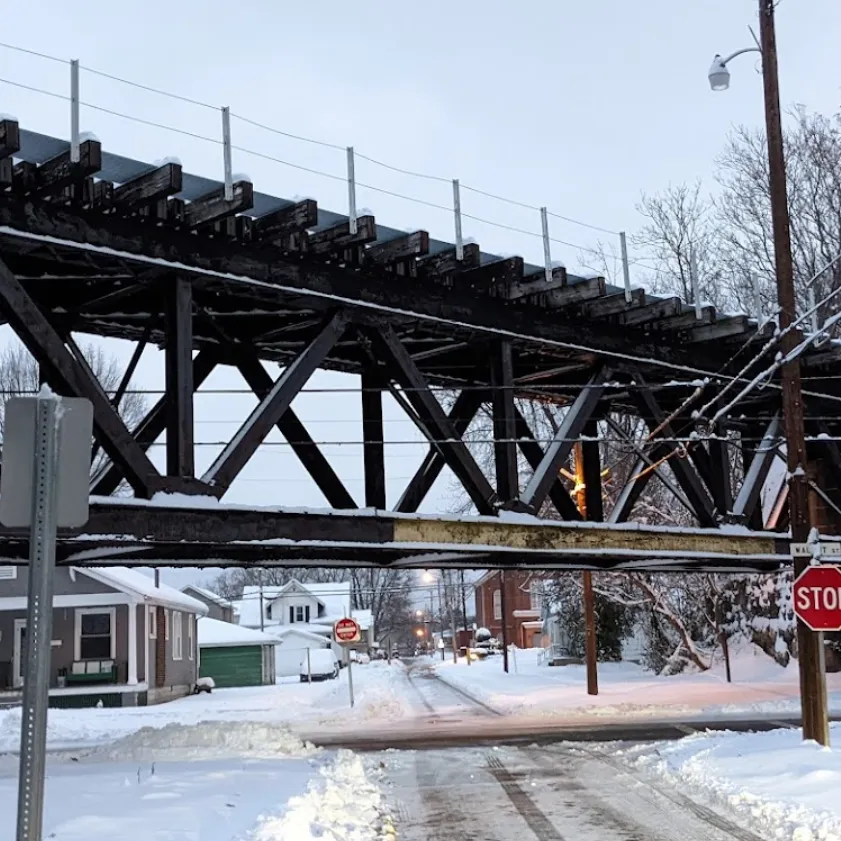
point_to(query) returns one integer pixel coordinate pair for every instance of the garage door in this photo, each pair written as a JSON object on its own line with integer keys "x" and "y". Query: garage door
{"x": 235, "y": 666}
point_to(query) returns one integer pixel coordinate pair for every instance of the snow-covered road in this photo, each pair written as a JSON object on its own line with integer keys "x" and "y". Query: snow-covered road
{"x": 558, "y": 793}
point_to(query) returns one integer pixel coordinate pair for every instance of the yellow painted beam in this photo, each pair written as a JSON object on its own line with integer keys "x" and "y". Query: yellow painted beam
{"x": 560, "y": 537}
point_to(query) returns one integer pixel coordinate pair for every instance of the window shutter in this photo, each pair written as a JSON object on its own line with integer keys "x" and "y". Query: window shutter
{"x": 291, "y": 615}
{"x": 307, "y": 614}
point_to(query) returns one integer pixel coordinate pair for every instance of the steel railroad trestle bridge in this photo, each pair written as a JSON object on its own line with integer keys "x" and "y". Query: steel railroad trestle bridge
{"x": 115, "y": 247}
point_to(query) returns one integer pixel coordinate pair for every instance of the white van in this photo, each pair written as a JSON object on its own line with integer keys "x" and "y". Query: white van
{"x": 321, "y": 665}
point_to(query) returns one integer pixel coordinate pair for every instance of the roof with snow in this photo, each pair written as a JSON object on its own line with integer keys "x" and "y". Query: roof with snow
{"x": 335, "y": 596}
{"x": 282, "y": 633}
{"x": 209, "y": 595}
{"x": 143, "y": 587}
{"x": 212, "y": 633}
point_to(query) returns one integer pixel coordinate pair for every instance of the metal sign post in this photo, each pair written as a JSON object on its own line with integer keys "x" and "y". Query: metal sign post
{"x": 57, "y": 497}
{"x": 349, "y": 675}
{"x": 346, "y": 632}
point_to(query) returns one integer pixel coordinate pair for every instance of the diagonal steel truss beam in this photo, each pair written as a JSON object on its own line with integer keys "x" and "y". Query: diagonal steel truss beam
{"x": 417, "y": 392}
{"x": 645, "y": 468}
{"x": 67, "y": 374}
{"x": 461, "y": 415}
{"x": 271, "y": 408}
{"x": 293, "y": 430}
{"x": 559, "y": 449}
{"x": 108, "y": 478}
{"x": 757, "y": 472}
{"x": 687, "y": 477}
{"x": 533, "y": 454}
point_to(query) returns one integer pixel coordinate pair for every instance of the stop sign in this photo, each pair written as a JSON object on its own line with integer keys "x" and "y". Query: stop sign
{"x": 346, "y": 630}
{"x": 817, "y": 598}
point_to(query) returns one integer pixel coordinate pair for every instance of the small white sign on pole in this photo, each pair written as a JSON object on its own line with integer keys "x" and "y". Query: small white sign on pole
{"x": 75, "y": 428}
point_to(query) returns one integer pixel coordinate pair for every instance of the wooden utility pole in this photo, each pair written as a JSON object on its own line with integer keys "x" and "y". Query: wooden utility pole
{"x": 809, "y": 644}
{"x": 581, "y": 499}
{"x": 503, "y": 605}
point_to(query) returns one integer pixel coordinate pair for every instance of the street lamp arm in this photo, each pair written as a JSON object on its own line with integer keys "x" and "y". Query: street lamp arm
{"x": 740, "y": 52}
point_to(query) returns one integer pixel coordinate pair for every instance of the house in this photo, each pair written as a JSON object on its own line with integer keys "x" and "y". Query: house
{"x": 235, "y": 656}
{"x": 523, "y": 607}
{"x": 217, "y": 607}
{"x": 312, "y": 608}
{"x": 117, "y": 638}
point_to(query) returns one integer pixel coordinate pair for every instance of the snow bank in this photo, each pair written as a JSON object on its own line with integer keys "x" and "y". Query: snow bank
{"x": 205, "y": 740}
{"x": 775, "y": 783}
{"x": 342, "y": 803}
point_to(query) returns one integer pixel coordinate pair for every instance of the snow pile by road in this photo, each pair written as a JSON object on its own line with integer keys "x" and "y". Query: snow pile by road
{"x": 380, "y": 691}
{"x": 774, "y": 783}
{"x": 206, "y": 739}
{"x": 625, "y": 689}
{"x": 342, "y": 802}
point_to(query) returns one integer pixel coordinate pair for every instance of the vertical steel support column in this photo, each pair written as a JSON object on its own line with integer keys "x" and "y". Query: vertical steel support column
{"x": 588, "y": 480}
{"x": 504, "y": 423}
{"x": 373, "y": 447}
{"x": 39, "y": 624}
{"x": 180, "y": 452}
{"x": 503, "y": 605}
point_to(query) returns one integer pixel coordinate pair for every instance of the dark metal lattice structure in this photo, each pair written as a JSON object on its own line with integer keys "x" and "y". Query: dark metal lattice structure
{"x": 120, "y": 248}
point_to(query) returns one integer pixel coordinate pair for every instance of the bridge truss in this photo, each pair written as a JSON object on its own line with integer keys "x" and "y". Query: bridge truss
{"x": 116, "y": 247}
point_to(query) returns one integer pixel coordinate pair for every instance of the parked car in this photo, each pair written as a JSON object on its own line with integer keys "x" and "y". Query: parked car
{"x": 321, "y": 665}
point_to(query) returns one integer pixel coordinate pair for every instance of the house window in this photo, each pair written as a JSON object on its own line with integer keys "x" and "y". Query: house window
{"x": 95, "y": 638}
{"x": 268, "y": 611}
{"x": 8, "y": 573}
{"x": 536, "y": 594}
{"x": 153, "y": 623}
{"x": 299, "y": 613}
{"x": 497, "y": 604}
{"x": 191, "y": 621}
{"x": 177, "y": 639}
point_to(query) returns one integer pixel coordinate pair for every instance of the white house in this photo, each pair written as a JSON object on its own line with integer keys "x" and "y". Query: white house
{"x": 310, "y": 610}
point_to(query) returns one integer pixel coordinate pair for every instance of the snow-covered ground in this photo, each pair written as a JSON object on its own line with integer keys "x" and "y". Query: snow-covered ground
{"x": 777, "y": 784}
{"x": 379, "y": 690}
{"x": 207, "y": 782}
{"x": 759, "y": 686}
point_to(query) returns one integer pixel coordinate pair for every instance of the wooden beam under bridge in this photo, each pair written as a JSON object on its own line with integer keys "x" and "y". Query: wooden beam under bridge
{"x": 139, "y": 533}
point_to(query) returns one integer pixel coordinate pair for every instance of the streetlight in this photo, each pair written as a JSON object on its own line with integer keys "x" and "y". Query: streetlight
{"x": 810, "y": 645}
{"x": 719, "y": 75}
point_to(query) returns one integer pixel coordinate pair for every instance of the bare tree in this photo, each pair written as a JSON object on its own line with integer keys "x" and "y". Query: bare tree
{"x": 19, "y": 376}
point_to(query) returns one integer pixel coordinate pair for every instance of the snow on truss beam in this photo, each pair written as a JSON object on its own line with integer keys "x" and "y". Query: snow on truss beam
{"x": 177, "y": 530}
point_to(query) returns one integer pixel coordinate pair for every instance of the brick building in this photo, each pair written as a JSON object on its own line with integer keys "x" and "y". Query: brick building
{"x": 523, "y": 606}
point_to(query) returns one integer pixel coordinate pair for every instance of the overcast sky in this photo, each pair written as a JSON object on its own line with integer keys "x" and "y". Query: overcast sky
{"x": 577, "y": 106}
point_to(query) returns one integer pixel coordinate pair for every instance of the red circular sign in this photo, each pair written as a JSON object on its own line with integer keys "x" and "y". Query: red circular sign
{"x": 346, "y": 630}
{"x": 817, "y": 598}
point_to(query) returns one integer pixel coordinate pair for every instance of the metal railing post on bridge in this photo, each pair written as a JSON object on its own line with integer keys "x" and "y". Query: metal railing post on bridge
{"x": 626, "y": 266}
{"x": 226, "y": 153}
{"x": 457, "y": 219}
{"x": 547, "y": 244}
{"x": 75, "y": 153}
{"x": 351, "y": 190}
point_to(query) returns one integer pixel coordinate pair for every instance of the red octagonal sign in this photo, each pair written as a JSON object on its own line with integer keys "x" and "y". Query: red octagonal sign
{"x": 346, "y": 630}
{"x": 817, "y": 598}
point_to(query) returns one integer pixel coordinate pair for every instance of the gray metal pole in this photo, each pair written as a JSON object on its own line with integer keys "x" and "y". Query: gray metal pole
{"x": 39, "y": 624}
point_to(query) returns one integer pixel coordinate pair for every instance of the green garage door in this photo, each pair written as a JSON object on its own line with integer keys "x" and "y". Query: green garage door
{"x": 234, "y": 666}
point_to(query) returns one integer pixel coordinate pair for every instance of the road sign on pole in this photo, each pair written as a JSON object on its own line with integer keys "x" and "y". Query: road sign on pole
{"x": 817, "y": 598}
{"x": 41, "y": 427}
{"x": 347, "y": 631}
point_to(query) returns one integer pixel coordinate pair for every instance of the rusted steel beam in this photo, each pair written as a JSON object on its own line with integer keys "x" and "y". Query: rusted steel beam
{"x": 149, "y": 187}
{"x": 213, "y": 206}
{"x": 59, "y": 172}
{"x": 279, "y": 225}
{"x": 9, "y": 138}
